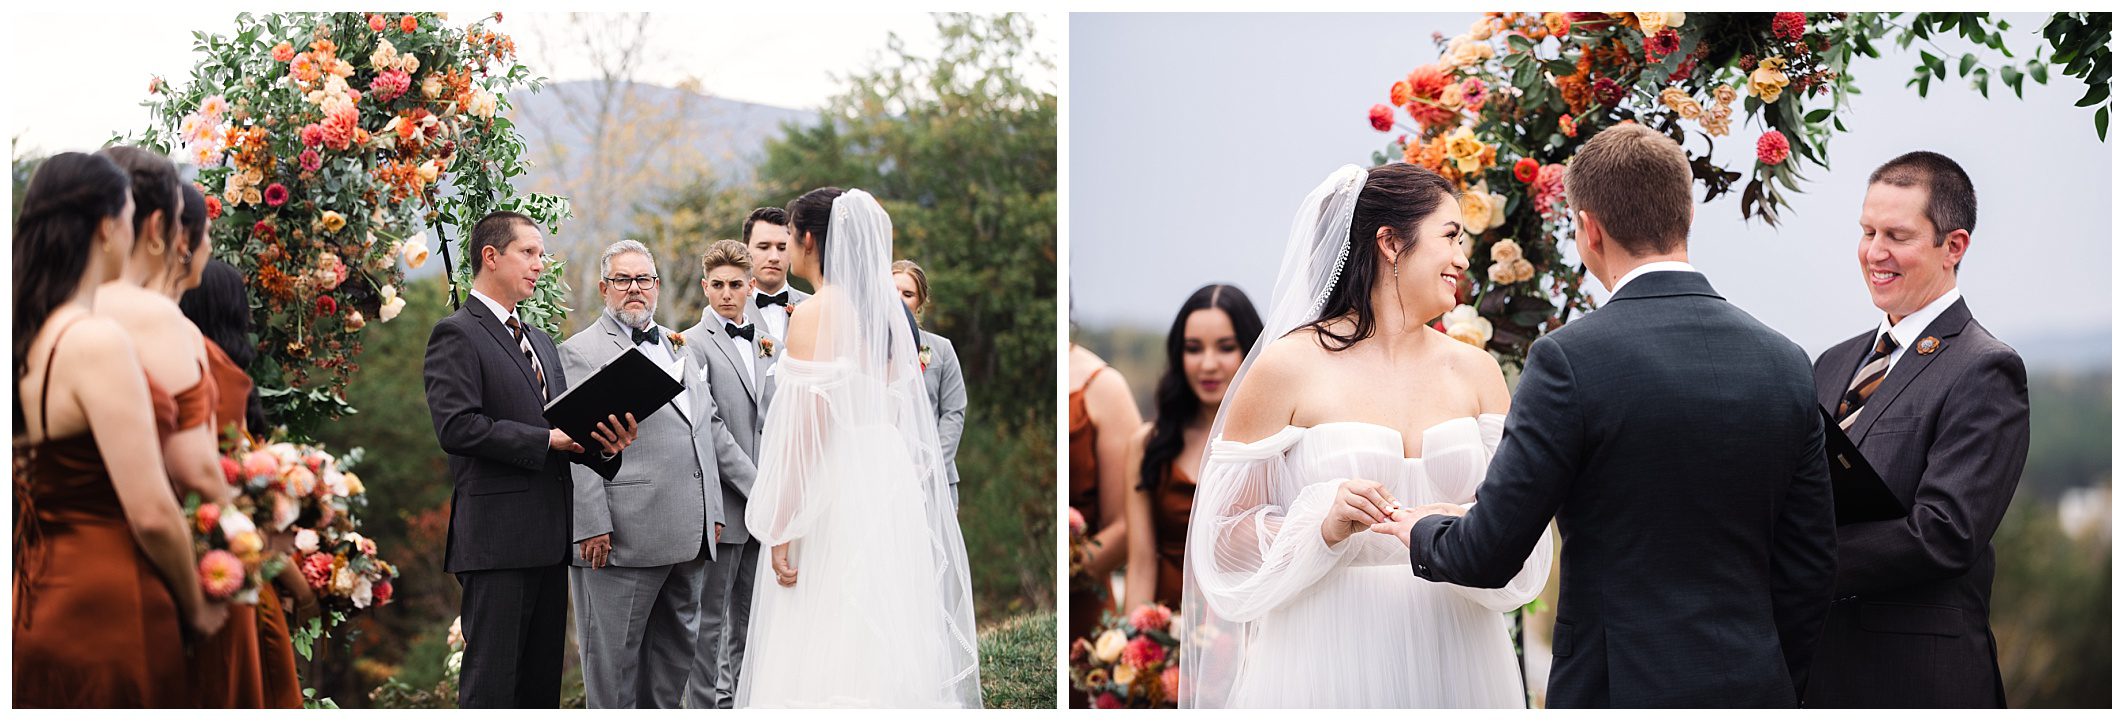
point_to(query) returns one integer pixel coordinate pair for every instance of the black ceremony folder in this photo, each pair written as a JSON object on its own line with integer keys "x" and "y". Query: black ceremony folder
{"x": 1861, "y": 495}
{"x": 629, "y": 383}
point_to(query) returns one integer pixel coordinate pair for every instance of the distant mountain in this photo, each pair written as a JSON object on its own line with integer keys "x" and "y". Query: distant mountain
{"x": 728, "y": 133}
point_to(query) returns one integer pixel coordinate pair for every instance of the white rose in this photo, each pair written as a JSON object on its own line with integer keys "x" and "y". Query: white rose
{"x": 364, "y": 593}
{"x": 390, "y": 309}
{"x": 1466, "y": 325}
{"x": 306, "y": 541}
{"x": 457, "y": 632}
{"x": 234, "y": 523}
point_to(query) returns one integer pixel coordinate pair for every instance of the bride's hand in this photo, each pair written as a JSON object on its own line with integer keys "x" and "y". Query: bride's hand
{"x": 784, "y": 572}
{"x": 1358, "y": 504}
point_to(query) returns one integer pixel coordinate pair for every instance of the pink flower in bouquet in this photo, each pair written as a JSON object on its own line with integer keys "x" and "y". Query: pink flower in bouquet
{"x": 382, "y": 591}
{"x": 1076, "y": 521}
{"x": 283, "y": 52}
{"x": 1772, "y": 148}
{"x": 316, "y": 460}
{"x": 207, "y": 517}
{"x": 260, "y": 463}
{"x": 299, "y": 481}
{"x": 276, "y": 195}
{"x": 311, "y": 160}
{"x": 1144, "y": 652}
{"x": 1152, "y": 617}
{"x": 313, "y": 135}
{"x": 1382, "y": 118}
{"x": 232, "y": 471}
{"x": 1474, "y": 91}
{"x": 221, "y": 574}
{"x": 376, "y": 22}
{"x": 1170, "y": 679}
{"x": 1107, "y": 701}
{"x": 214, "y": 107}
{"x": 317, "y": 570}
{"x": 390, "y": 84}
{"x": 1788, "y": 26}
{"x": 365, "y": 544}
{"x": 339, "y": 127}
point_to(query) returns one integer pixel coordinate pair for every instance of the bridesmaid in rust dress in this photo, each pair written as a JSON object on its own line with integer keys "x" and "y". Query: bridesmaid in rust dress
{"x": 212, "y": 298}
{"x": 224, "y": 668}
{"x": 104, "y": 577}
{"x": 1101, "y": 411}
{"x": 1210, "y": 336}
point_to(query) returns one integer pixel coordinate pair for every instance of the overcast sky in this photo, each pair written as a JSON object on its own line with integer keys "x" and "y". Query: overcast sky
{"x": 785, "y": 60}
{"x": 1193, "y": 138}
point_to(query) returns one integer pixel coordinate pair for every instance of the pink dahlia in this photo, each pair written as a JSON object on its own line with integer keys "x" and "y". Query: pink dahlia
{"x": 390, "y": 84}
{"x": 311, "y": 160}
{"x": 1144, "y": 652}
{"x": 1473, "y": 92}
{"x": 1788, "y": 26}
{"x": 276, "y": 195}
{"x": 317, "y": 570}
{"x": 339, "y": 127}
{"x": 1151, "y": 617}
{"x": 1382, "y": 118}
{"x": 1425, "y": 83}
{"x": 232, "y": 470}
{"x": 1772, "y": 148}
{"x": 260, "y": 463}
{"x": 312, "y": 135}
{"x": 221, "y": 574}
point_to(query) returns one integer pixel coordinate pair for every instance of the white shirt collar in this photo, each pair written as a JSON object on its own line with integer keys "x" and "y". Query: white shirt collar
{"x": 1907, "y": 331}
{"x": 1652, "y": 267}
{"x": 500, "y": 313}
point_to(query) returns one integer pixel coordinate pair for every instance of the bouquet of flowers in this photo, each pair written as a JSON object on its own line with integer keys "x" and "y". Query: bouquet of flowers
{"x": 230, "y": 550}
{"x": 312, "y": 498}
{"x": 1132, "y": 663}
{"x": 1081, "y": 546}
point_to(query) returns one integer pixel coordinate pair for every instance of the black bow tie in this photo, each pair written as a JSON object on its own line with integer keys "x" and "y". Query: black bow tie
{"x": 652, "y": 335}
{"x": 738, "y": 331}
{"x": 763, "y": 300}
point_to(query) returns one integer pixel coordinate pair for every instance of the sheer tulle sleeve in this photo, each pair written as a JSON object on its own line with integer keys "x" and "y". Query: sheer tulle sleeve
{"x": 792, "y": 450}
{"x": 1534, "y": 574}
{"x": 1254, "y": 538}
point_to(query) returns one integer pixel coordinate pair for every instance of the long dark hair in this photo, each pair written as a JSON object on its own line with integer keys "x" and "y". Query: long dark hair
{"x": 1396, "y": 196}
{"x": 67, "y": 198}
{"x": 1174, "y": 402}
{"x": 222, "y": 310}
{"x": 155, "y": 188}
{"x": 811, "y": 213}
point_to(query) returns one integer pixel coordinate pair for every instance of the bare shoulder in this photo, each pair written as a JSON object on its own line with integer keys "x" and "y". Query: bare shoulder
{"x": 96, "y": 345}
{"x": 1265, "y": 401}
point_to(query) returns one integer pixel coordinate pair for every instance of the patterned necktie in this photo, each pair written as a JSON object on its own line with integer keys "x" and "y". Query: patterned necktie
{"x": 1869, "y": 379}
{"x": 523, "y": 342}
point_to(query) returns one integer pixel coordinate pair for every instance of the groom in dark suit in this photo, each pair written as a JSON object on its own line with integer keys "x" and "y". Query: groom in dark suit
{"x": 1675, "y": 441}
{"x": 488, "y": 377}
{"x": 1939, "y": 407}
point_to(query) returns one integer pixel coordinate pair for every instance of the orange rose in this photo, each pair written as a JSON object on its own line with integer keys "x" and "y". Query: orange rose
{"x": 408, "y": 24}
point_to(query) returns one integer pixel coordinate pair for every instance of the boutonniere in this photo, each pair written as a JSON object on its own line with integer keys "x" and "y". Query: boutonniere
{"x": 766, "y": 346}
{"x": 678, "y": 340}
{"x": 925, "y": 355}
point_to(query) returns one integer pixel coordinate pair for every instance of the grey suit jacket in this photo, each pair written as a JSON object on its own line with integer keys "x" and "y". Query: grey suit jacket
{"x": 947, "y": 396}
{"x": 1948, "y": 432}
{"x": 662, "y": 506}
{"x": 741, "y": 401}
{"x": 1675, "y": 441}
{"x": 509, "y": 501}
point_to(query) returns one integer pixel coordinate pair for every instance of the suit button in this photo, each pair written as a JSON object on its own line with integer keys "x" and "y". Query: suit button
{"x": 696, "y": 474}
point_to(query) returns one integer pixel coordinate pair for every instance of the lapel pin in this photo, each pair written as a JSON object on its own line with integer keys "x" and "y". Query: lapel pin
{"x": 1928, "y": 345}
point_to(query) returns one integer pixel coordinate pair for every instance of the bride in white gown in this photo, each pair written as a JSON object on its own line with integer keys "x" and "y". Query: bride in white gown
{"x": 1358, "y": 409}
{"x": 865, "y": 600}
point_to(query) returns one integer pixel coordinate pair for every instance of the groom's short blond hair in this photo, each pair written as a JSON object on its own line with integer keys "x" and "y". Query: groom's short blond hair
{"x": 1637, "y": 182}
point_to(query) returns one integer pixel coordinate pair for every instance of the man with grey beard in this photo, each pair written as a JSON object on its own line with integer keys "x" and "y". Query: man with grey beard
{"x": 645, "y": 537}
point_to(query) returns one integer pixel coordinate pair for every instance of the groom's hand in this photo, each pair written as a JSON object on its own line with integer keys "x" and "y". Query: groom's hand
{"x": 1406, "y": 519}
{"x": 597, "y": 550}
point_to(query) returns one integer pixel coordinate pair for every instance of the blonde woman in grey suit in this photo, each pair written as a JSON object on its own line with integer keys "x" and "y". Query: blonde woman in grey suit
{"x": 733, "y": 356}
{"x": 940, "y": 370}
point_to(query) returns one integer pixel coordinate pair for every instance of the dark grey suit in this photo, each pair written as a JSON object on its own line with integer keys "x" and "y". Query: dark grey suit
{"x": 637, "y": 616}
{"x": 1675, "y": 441}
{"x": 1948, "y": 432}
{"x": 947, "y": 396}
{"x": 726, "y": 595}
{"x": 509, "y": 541}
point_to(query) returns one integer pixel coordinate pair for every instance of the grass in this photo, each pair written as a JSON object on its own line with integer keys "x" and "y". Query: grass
{"x": 1018, "y": 662}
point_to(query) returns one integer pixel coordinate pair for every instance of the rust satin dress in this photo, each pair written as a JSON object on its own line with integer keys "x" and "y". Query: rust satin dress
{"x": 1085, "y": 604}
{"x": 95, "y": 625}
{"x": 280, "y": 686}
{"x": 1171, "y": 501}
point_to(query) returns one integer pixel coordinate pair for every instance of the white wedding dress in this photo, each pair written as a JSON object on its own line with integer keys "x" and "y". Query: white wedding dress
{"x": 1293, "y": 623}
{"x": 852, "y": 477}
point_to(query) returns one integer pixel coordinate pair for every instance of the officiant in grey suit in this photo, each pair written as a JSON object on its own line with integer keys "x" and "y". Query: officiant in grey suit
{"x": 645, "y": 536}
{"x": 766, "y": 238}
{"x": 940, "y": 370}
{"x": 735, "y": 356}
{"x": 1939, "y": 408}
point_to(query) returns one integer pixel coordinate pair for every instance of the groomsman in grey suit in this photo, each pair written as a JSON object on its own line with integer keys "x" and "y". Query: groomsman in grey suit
{"x": 766, "y": 237}
{"x": 1939, "y": 407}
{"x": 645, "y": 537}
{"x": 735, "y": 357}
{"x": 940, "y": 371}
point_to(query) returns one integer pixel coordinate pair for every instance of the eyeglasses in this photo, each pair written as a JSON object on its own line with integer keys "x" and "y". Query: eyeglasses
{"x": 644, "y": 282}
